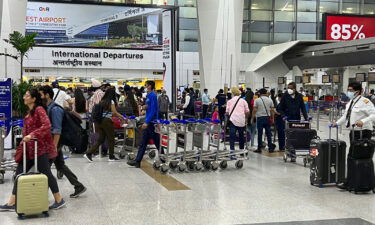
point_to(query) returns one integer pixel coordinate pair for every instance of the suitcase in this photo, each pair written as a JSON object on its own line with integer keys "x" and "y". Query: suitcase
{"x": 32, "y": 190}
{"x": 361, "y": 177}
{"x": 327, "y": 161}
{"x": 299, "y": 138}
{"x": 362, "y": 148}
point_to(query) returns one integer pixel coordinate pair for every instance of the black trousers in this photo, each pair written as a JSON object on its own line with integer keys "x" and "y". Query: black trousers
{"x": 62, "y": 167}
{"x": 43, "y": 167}
{"x": 204, "y": 114}
{"x": 163, "y": 115}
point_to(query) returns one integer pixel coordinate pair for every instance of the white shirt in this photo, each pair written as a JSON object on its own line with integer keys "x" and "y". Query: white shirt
{"x": 363, "y": 111}
{"x": 61, "y": 97}
{"x": 187, "y": 101}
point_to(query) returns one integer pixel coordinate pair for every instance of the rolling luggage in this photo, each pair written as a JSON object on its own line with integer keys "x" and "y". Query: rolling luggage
{"x": 361, "y": 176}
{"x": 327, "y": 161}
{"x": 32, "y": 190}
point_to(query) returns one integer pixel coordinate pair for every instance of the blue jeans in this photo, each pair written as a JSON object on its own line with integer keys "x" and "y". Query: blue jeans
{"x": 251, "y": 129}
{"x": 147, "y": 134}
{"x": 262, "y": 122}
{"x": 280, "y": 125}
{"x": 232, "y": 133}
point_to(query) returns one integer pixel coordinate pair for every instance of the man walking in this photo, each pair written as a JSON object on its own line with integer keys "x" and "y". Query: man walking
{"x": 56, "y": 115}
{"x": 148, "y": 128}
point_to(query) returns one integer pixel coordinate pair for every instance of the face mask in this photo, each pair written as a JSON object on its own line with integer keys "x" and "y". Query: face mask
{"x": 351, "y": 94}
{"x": 290, "y": 91}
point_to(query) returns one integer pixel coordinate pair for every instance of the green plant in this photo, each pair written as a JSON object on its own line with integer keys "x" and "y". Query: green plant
{"x": 18, "y": 91}
{"x": 22, "y": 44}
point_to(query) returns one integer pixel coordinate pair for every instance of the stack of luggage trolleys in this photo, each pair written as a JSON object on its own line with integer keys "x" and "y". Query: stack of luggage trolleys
{"x": 8, "y": 164}
{"x": 132, "y": 138}
{"x": 298, "y": 134}
{"x": 194, "y": 159}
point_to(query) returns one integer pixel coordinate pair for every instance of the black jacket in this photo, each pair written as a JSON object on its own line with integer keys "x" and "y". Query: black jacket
{"x": 292, "y": 107}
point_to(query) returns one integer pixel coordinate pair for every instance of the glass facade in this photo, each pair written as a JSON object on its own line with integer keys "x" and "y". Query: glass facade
{"x": 275, "y": 21}
{"x": 188, "y": 22}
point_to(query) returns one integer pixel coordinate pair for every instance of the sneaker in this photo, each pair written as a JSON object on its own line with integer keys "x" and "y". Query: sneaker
{"x": 134, "y": 163}
{"x": 78, "y": 191}
{"x": 113, "y": 159}
{"x": 293, "y": 160}
{"x": 343, "y": 186}
{"x": 58, "y": 205}
{"x": 7, "y": 208}
{"x": 88, "y": 157}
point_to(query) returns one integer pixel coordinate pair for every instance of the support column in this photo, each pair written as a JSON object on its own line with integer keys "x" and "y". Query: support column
{"x": 220, "y": 35}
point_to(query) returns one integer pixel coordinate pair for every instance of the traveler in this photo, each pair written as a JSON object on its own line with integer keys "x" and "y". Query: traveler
{"x": 130, "y": 105}
{"x": 206, "y": 103}
{"x": 148, "y": 128}
{"x": 237, "y": 111}
{"x": 263, "y": 112}
{"x": 221, "y": 100}
{"x": 105, "y": 126}
{"x": 61, "y": 97}
{"x": 188, "y": 107}
{"x": 251, "y": 125}
{"x": 280, "y": 124}
{"x": 56, "y": 115}
{"x": 36, "y": 126}
{"x": 292, "y": 104}
{"x": 96, "y": 96}
{"x": 163, "y": 103}
{"x": 359, "y": 112}
{"x": 215, "y": 114}
{"x": 79, "y": 105}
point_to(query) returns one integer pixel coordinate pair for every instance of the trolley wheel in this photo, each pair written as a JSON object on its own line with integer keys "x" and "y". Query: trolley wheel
{"x": 1, "y": 178}
{"x": 164, "y": 169}
{"x": 173, "y": 165}
{"x": 223, "y": 165}
{"x": 198, "y": 166}
{"x": 285, "y": 157}
{"x": 239, "y": 164}
{"x": 14, "y": 176}
{"x": 131, "y": 156}
{"x": 304, "y": 162}
{"x": 122, "y": 155}
{"x": 152, "y": 154}
{"x": 60, "y": 174}
{"x": 190, "y": 166}
{"x": 156, "y": 165}
{"x": 46, "y": 214}
{"x": 181, "y": 167}
{"x": 207, "y": 165}
{"x": 373, "y": 191}
{"x": 214, "y": 165}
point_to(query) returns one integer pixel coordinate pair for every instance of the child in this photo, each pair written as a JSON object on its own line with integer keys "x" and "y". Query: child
{"x": 215, "y": 115}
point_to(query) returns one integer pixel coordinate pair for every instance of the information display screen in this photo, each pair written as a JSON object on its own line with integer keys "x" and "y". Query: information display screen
{"x": 336, "y": 78}
{"x": 281, "y": 80}
{"x": 360, "y": 77}
{"x": 102, "y": 26}
{"x": 326, "y": 79}
{"x": 306, "y": 79}
{"x": 347, "y": 27}
{"x": 371, "y": 77}
{"x": 298, "y": 79}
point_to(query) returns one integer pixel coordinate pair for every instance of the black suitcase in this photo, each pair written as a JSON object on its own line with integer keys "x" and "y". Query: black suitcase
{"x": 362, "y": 148}
{"x": 299, "y": 138}
{"x": 361, "y": 177}
{"x": 327, "y": 161}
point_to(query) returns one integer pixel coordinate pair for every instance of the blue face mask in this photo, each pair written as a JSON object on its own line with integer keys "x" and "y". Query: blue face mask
{"x": 351, "y": 94}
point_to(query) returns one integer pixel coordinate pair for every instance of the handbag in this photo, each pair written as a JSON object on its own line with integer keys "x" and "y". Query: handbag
{"x": 228, "y": 119}
{"x": 270, "y": 119}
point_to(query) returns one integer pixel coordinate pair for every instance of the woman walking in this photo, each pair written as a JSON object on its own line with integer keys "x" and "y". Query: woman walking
{"x": 37, "y": 127}
{"x": 105, "y": 127}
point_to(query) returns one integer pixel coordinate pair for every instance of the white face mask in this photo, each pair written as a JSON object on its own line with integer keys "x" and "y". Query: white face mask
{"x": 290, "y": 91}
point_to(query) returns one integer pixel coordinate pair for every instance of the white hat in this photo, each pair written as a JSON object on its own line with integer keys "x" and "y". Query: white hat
{"x": 95, "y": 83}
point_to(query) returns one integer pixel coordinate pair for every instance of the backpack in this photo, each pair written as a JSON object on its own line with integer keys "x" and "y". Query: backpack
{"x": 97, "y": 113}
{"x": 163, "y": 103}
{"x": 71, "y": 132}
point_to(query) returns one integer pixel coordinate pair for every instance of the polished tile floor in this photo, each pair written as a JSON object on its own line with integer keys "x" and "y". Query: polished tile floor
{"x": 266, "y": 190}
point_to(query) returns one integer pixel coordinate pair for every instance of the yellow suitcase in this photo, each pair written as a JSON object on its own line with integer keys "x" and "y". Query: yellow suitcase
{"x": 32, "y": 190}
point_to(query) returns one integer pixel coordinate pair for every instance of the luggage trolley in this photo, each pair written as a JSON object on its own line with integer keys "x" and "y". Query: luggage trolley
{"x": 298, "y": 135}
{"x": 6, "y": 164}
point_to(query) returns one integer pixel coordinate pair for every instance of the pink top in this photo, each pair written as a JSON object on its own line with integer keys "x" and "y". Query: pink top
{"x": 238, "y": 117}
{"x": 215, "y": 116}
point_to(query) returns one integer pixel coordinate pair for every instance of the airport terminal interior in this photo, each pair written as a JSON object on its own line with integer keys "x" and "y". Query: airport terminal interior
{"x": 247, "y": 112}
